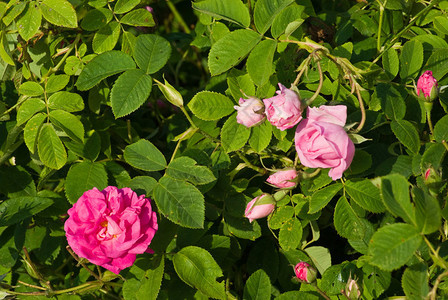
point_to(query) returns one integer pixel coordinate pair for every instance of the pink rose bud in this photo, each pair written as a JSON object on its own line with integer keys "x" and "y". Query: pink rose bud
{"x": 433, "y": 180}
{"x": 321, "y": 141}
{"x": 150, "y": 9}
{"x": 250, "y": 112}
{"x": 305, "y": 272}
{"x": 259, "y": 207}
{"x": 427, "y": 87}
{"x": 110, "y": 227}
{"x": 284, "y": 110}
{"x": 284, "y": 179}
{"x": 352, "y": 290}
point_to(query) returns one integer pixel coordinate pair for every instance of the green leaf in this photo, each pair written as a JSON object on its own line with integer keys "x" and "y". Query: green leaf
{"x": 287, "y": 16}
{"x": 5, "y": 54}
{"x": 102, "y": 66}
{"x": 70, "y": 102}
{"x": 346, "y": 221}
{"x": 290, "y": 235}
{"x": 427, "y": 211}
{"x": 365, "y": 194}
{"x": 16, "y": 10}
{"x": 197, "y": 268}
{"x": 234, "y": 135}
{"x": 31, "y": 131}
{"x": 151, "y": 52}
{"x": 260, "y": 136}
{"x": 106, "y": 38}
{"x": 391, "y": 100}
{"x": 411, "y": 59}
{"x": 15, "y": 182}
{"x": 56, "y": 83}
{"x": 258, "y": 286}
{"x": 239, "y": 82}
{"x": 96, "y": 18}
{"x": 441, "y": 130}
{"x": 259, "y": 62}
{"x": 31, "y": 88}
{"x": 128, "y": 41}
{"x": 82, "y": 177}
{"x": 320, "y": 198}
{"x": 280, "y": 216}
{"x": 241, "y": 228}
{"x": 438, "y": 63}
{"x": 293, "y": 295}
{"x": 210, "y": 106}
{"x": 90, "y": 149}
{"x": 14, "y": 210}
{"x": 231, "y": 10}
{"x": 393, "y": 245}
{"x": 51, "y": 150}
{"x": 391, "y": 63}
{"x": 266, "y": 11}
{"x": 441, "y": 24}
{"x": 336, "y": 277}
{"x": 395, "y": 195}
{"x": 180, "y": 202}
{"x": 29, "y": 22}
{"x": 145, "y": 156}
{"x": 70, "y": 124}
{"x": 415, "y": 281}
{"x": 130, "y": 91}
{"x": 28, "y": 109}
{"x": 231, "y": 50}
{"x": 138, "y": 17}
{"x": 406, "y": 134}
{"x": 123, "y": 6}
{"x": 320, "y": 256}
{"x": 59, "y": 12}
{"x": 145, "y": 278}
{"x": 143, "y": 185}
{"x": 185, "y": 168}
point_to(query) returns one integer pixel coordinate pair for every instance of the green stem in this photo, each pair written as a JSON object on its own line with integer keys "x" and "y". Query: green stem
{"x": 363, "y": 110}
{"x": 20, "y": 101}
{"x": 56, "y": 68}
{"x": 177, "y": 16}
{"x": 188, "y": 117}
{"x": 398, "y": 35}
{"x": 250, "y": 165}
{"x": 380, "y": 25}
{"x": 428, "y": 108}
{"x": 319, "y": 87}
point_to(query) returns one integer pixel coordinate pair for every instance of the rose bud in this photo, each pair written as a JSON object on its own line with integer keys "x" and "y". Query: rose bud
{"x": 250, "y": 112}
{"x": 321, "y": 140}
{"x": 284, "y": 110}
{"x": 433, "y": 180}
{"x": 284, "y": 179}
{"x": 110, "y": 227}
{"x": 352, "y": 290}
{"x": 305, "y": 272}
{"x": 259, "y": 207}
{"x": 427, "y": 87}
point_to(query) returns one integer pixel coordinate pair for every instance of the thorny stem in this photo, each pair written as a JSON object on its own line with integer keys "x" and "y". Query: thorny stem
{"x": 363, "y": 110}
{"x": 398, "y": 35}
{"x": 83, "y": 264}
{"x": 319, "y": 87}
{"x": 435, "y": 253}
{"x": 177, "y": 16}
{"x": 32, "y": 285}
{"x": 433, "y": 293}
{"x": 250, "y": 165}
{"x": 380, "y": 24}
{"x": 304, "y": 64}
{"x": 321, "y": 292}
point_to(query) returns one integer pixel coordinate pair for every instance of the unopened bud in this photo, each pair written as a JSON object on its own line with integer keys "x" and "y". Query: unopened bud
{"x": 433, "y": 180}
{"x": 305, "y": 272}
{"x": 170, "y": 93}
{"x": 427, "y": 89}
{"x": 259, "y": 207}
{"x": 352, "y": 290}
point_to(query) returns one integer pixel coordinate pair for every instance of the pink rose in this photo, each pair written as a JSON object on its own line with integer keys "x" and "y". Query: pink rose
{"x": 321, "y": 141}
{"x": 250, "y": 112}
{"x": 110, "y": 227}
{"x": 427, "y": 84}
{"x": 284, "y": 110}
{"x": 305, "y": 272}
{"x": 259, "y": 207}
{"x": 283, "y": 179}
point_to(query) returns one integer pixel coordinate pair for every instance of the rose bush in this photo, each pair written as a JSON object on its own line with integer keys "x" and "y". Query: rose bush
{"x": 110, "y": 227}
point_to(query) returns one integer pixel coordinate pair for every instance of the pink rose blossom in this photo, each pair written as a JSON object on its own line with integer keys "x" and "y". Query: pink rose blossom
{"x": 305, "y": 272}
{"x": 336, "y": 114}
{"x": 284, "y": 110}
{"x": 250, "y": 112}
{"x": 321, "y": 141}
{"x": 426, "y": 83}
{"x": 110, "y": 227}
{"x": 259, "y": 207}
{"x": 283, "y": 179}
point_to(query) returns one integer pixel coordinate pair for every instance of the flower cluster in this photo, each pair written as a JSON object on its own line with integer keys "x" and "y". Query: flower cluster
{"x": 110, "y": 227}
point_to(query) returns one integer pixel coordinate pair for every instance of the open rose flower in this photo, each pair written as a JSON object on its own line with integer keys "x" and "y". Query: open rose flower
{"x": 283, "y": 179}
{"x": 110, "y": 227}
{"x": 284, "y": 110}
{"x": 259, "y": 207}
{"x": 250, "y": 112}
{"x": 427, "y": 86}
{"x": 321, "y": 141}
